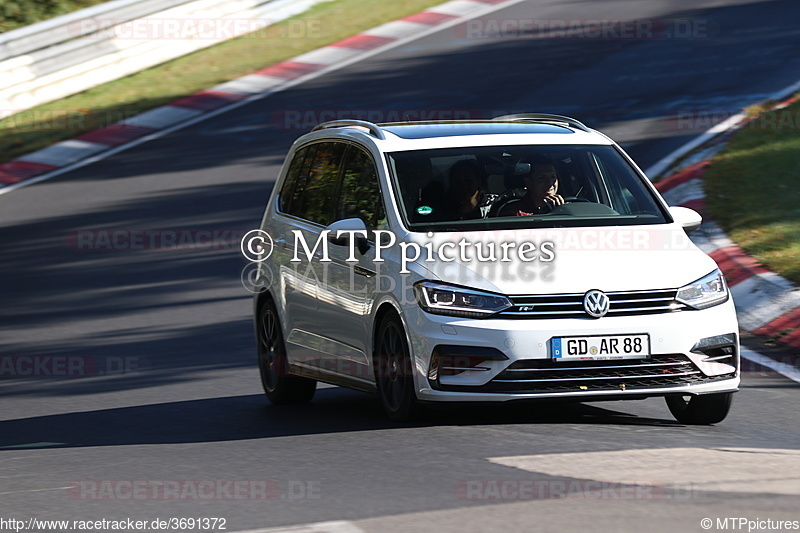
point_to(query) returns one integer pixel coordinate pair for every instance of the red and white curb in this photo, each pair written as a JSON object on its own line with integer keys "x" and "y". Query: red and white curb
{"x": 766, "y": 303}
{"x": 91, "y": 146}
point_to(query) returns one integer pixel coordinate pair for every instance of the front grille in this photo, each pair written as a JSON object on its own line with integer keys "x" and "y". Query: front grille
{"x": 546, "y": 375}
{"x": 571, "y": 305}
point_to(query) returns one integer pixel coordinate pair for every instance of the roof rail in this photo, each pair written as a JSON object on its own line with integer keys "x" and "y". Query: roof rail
{"x": 543, "y": 117}
{"x": 374, "y": 129}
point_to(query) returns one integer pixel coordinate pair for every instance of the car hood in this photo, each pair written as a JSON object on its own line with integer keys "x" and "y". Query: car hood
{"x": 564, "y": 260}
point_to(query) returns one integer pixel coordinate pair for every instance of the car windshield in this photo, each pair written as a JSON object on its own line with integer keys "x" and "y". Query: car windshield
{"x": 534, "y": 186}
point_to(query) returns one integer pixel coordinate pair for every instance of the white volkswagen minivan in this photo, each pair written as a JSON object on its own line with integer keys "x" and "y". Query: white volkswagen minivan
{"x": 517, "y": 258}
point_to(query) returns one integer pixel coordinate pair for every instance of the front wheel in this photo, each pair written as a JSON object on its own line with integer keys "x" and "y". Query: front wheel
{"x": 393, "y": 371}
{"x": 700, "y": 410}
{"x": 279, "y": 386}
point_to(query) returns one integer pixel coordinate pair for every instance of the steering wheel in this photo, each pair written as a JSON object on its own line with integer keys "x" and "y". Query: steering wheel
{"x": 568, "y": 199}
{"x": 509, "y": 195}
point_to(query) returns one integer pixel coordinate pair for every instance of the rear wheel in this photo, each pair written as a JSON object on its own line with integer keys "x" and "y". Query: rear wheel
{"x": 279, "y": 387}
{"x": 700, "y": 410}
{"x": 393, "y": 371}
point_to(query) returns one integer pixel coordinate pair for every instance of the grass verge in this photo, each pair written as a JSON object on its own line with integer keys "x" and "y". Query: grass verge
{"x": 323, "y": 24}
{"x": 753, "y": 190}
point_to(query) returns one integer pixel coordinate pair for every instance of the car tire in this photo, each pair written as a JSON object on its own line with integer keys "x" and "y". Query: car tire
{"x": 700, "y": 410}
{"x": 280, "y": 387}
{"x": 393, "y": 370}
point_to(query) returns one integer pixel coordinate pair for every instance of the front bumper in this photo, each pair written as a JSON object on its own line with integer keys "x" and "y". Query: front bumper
{"x": 500, "y": 359}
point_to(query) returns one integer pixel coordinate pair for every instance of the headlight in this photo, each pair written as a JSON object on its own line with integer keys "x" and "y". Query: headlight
{"x": 442, "y": 299}
{"x": 707, "y": 291}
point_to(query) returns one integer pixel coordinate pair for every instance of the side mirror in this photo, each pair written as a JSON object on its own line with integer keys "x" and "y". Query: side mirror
{"x": 354, "y": 227}
{"x": 689, "y": 219}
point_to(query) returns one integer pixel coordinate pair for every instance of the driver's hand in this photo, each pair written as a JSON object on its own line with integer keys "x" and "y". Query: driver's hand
{"x": 554, "y": 200}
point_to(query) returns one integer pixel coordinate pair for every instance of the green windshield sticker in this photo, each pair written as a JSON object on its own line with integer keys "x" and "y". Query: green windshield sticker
{"x": 424, "y": 210}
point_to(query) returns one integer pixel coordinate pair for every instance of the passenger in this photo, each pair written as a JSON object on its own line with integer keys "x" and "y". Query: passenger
{"x": 542, "y": 190}
{"x": 466, "y": 191}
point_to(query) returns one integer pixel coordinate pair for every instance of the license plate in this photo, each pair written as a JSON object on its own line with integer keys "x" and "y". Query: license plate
{"x": 600, "y": 347}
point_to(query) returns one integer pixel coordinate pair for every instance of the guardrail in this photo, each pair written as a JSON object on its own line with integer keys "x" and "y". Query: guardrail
{"x": 75, "y": 52}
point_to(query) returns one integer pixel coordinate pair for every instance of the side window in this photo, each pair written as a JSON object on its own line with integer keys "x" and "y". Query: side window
{"x": 312, "y": 197}
{"x": 360, "y": 195}
{"x": 295, "y": 177}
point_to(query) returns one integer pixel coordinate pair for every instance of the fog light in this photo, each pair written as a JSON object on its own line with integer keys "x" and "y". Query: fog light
{"x": 449, "y": 360}
{"x": 718, "y": 349}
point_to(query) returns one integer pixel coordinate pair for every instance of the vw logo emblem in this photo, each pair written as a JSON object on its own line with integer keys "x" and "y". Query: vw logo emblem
{"x": 596, "y": 303}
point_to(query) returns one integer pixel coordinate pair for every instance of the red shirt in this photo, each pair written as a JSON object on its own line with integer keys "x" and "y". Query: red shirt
{"x": 522, "y": 208}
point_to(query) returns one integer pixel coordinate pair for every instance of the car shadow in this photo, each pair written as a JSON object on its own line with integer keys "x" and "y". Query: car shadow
{"x": 231, "y": 418}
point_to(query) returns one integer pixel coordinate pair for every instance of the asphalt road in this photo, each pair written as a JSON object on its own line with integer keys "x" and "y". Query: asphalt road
{"x": 170, "y": 392}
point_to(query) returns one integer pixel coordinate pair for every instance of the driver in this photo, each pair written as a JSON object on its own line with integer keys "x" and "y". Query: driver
{"x": 542, "y": 189}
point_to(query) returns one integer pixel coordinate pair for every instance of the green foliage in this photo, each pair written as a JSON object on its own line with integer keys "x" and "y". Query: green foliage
{"x": 753, "y": 190}
{"x": 18, "y": 13}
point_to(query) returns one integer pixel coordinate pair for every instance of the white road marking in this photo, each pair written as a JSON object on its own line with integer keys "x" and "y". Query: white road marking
{"x": 34, "y": 490}
{"x": 328, "y": 55}
{"x": 749, "y": 470}
{"x": 761, "y": 298}
{"x": 64, "y": 151}
{"x": 396, "y": 29}
{"x": 161, "y": 117}
{"x": 712, "y": 132}
{"x": 685, "y": 192}
{"x": 456, "y": 7}
{"x": 250, "y": 84}
{"x": 784, "y": 369}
